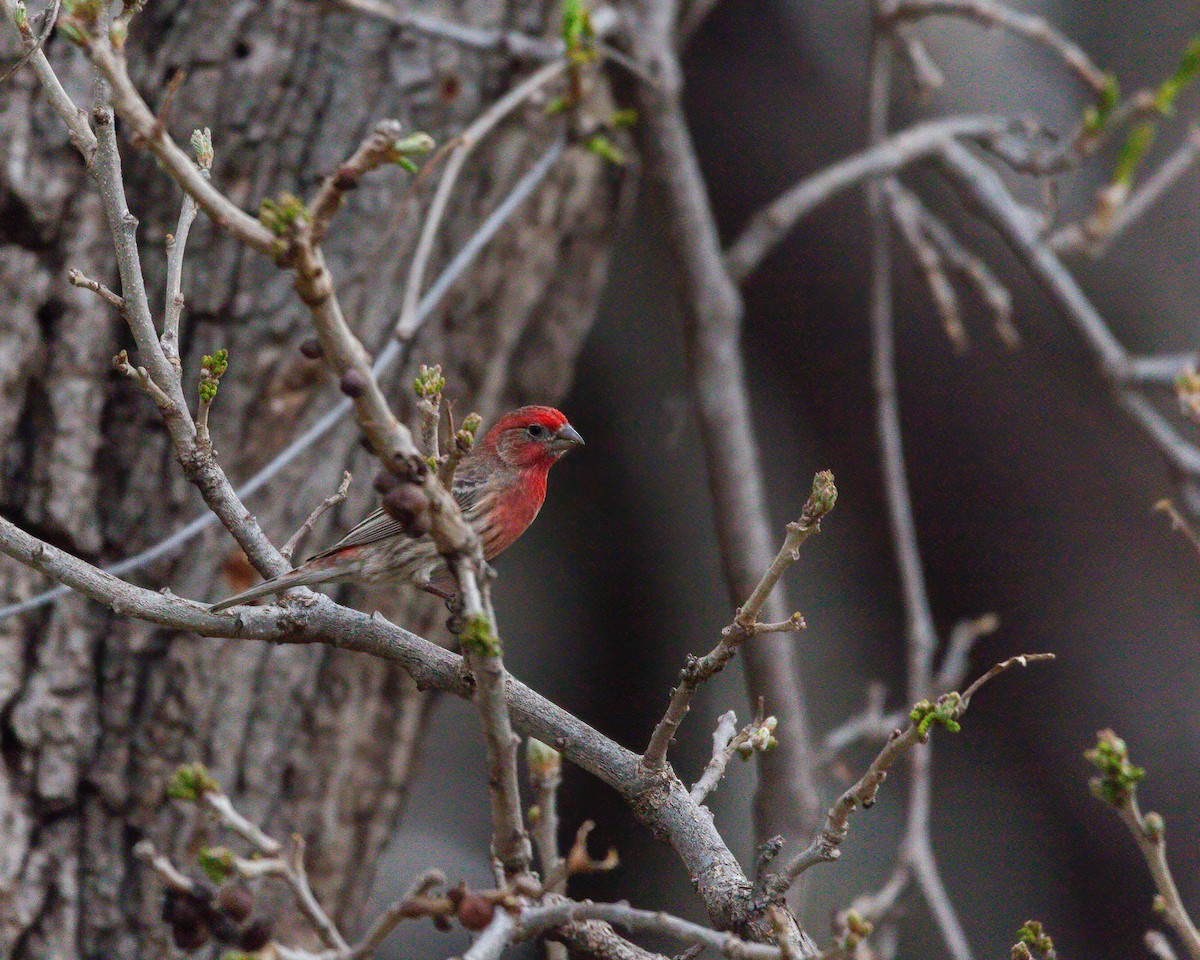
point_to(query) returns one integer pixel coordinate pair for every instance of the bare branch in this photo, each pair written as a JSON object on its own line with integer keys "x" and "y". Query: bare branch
{"x": 963, "y": 637}
{"x": 139, "y": 376}
{"x": 1159, "y": 945}
{"x": 176, "y": 249}
{"x": 949, "y": 707}
{"x": 766, "y": 228}
{"x": 171, "y": 877}
{"x": 384, "y": 145}
{"x": 77, "y": 279}
{"x": 482, "y": 652}
{"x": 715, "y": 872}
{"x": 905, "y": 213}
{"x": 536, "y": 921}
{"x": 1179, "y": 522}
{"x": 727, "y": 741}
{"x": 787, "y": 798}
{"x": 1033, "y": 28}
{"x": 412, "y": 904}
{"x": 970, "y": 267}
{"x": 545, "y": 774}
{"x": 723, "y": 737}
{"x": 464, "y": 145}
{"x": 129, "y": 104}
{"x": 820, "y": 502}
{"x": 74, "y": 117}
{"x": 328, "y": 503}
{"x": 985, "y": 186}
{"x": 871, "y": 724}
{"x": 511, "y": 43}
{"x": 1096, "y": 234}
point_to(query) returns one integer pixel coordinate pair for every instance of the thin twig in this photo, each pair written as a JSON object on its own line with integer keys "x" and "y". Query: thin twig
{"x": 278, "y": 862}
{"x": 1153, "y": 847}
{"x": 826, "y": 846}
{"x": 170, "y": 875}
{"x": 77, "y": 279}
{"x": 535, "y": 921}
{"x": 819, "y": 503}
{"x": 511, "y": 43}
{"x": 722, "y": 752}
{"x": 410, "y": 905}
{"x": 464, "y": 145}
{"x": 73, "y": 116}
{"x": 870, "y": 724}
{"x": 786, "y": 798}
{"x": 176, "y": 249}
{"x": 33, "y": 46}
{"x": 328, "y": 503}
{"x": 906, "y": 215}
{"x": 766, "y": 228}
{"x": 482, "y": 652}
{"x": 1096, "y": 234}
{"x": 545, "y": 775}
{"x": 968, "y": 266}
{"x": 134, "y": 111}
{"x": 1034, "y": 28}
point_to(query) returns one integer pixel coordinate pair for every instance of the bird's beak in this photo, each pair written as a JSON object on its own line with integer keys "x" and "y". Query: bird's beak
{"x": 567, "y": 438}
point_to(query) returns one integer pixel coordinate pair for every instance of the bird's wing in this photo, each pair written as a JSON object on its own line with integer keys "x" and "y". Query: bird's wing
{"x": 373, "y": 528}
{"x": 470, "y": 490}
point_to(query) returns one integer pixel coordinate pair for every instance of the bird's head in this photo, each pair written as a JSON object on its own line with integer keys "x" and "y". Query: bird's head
{"x": 531, "y": 437}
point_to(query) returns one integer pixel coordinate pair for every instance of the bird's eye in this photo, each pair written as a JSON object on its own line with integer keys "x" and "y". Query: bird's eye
{"x": 536, "y": 430}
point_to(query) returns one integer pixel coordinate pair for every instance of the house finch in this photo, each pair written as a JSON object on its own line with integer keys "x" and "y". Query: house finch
{"x": 500, "y": 486}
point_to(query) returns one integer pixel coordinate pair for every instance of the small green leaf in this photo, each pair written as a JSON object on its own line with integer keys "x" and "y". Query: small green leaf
{"x": 1134, "y": 148}
{"x": 605, "y": 149}
{"x": 623, "y": 119}
{"x": 216, "y": 862}
{"x": 190, "y": 782}
{"x": 1118, "y": 778}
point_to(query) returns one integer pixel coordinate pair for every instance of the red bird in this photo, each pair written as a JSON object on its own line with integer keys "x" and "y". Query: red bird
{"x": 500, "y": 486}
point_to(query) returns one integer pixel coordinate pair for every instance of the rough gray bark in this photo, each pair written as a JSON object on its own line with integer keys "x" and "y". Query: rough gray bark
{"x": 95, "y": 710}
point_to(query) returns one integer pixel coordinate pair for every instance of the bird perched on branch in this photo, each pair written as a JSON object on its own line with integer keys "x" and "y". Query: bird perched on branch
{"x": 500, "y": 486}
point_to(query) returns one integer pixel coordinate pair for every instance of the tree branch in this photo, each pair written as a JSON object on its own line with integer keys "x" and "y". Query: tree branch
{"x": 947, "y": 710}
{"x": 766, "y": 228}
{"x": 820, "y": 502}
{"x": 712, "y": 315}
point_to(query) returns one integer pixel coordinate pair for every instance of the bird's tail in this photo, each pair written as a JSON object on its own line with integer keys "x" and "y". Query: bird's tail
{"x": 303, "y": 576}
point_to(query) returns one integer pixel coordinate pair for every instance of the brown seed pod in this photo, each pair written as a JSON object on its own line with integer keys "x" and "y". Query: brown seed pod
{"x": 475, "y": 912}
{"x": 189, "y": 936}
{"x": 255, "y": 935}
{"x": 385, "y": 482}
{"x": 182, "y": 906}
{"x": 407, "y": 504}
{"x": 236, "y": 900}
{"x": 353, "y": 383}
{"x": 312, "y": 348}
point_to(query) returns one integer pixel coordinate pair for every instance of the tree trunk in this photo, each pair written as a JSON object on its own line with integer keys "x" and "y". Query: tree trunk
{"x": 96, "y": 711}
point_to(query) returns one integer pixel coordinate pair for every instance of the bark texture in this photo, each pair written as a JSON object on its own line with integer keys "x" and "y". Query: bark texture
{"x": 96, "y": 711}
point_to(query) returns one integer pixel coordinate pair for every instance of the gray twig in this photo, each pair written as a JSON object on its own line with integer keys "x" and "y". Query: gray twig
{"x": 745, "y": 622}
{"x": 772, "y": 223}
{"x": 328, "y": 503}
